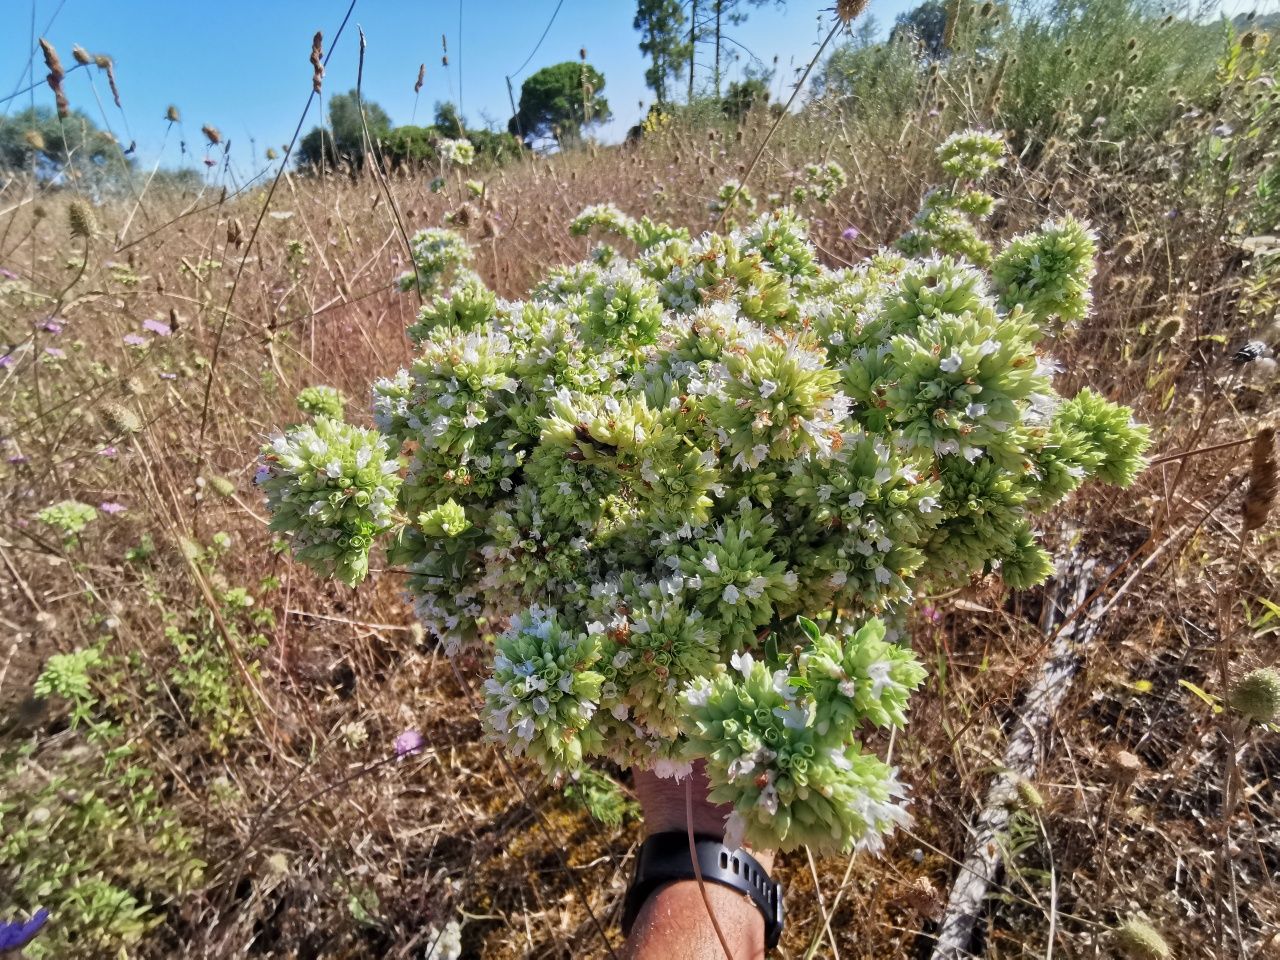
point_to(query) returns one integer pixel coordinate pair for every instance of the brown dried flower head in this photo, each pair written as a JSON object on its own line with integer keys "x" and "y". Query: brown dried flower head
{"x": 317, "y": 61}
{"x": 848, "y": 10}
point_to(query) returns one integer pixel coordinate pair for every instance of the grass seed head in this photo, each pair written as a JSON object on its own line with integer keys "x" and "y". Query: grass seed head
{"x": 120, "y": 419}
{"x": 1138, "y": 940}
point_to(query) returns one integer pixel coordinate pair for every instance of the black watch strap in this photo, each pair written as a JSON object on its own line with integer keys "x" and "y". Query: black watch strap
{"x": 664, "y": 858}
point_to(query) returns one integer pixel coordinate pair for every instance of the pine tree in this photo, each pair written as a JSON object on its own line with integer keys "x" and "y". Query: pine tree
{"x": 661, "y": 24}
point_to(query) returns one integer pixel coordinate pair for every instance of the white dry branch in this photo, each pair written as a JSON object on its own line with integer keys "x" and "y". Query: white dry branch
{"x": 1023, "y": 755}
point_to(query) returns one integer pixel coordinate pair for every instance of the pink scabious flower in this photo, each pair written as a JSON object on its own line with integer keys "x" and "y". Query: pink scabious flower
{"x": 408, "y": 743}
{"x": 850, "y": 233}
{"x": 52, "y": 326}
{"x": 107, "y": 452}
{"x": 156, "y": 327}
{"x": 111, "y": 506}
{"x": 56, "y": 352}
{"x": 133, "y": 340}
{"x": 6, "y": 361}
{"x": 8, "y": 274}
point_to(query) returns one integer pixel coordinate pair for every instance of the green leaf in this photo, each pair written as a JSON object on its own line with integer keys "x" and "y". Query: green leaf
{"x": 810, "y": 629}
{"x": 1208, "y": 698}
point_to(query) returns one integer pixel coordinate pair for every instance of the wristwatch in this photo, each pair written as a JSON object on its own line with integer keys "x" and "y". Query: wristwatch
{"x": 664, "y": 858}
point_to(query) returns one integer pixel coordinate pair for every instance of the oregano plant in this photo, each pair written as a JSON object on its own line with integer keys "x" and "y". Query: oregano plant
{"x": 677, "y": 495}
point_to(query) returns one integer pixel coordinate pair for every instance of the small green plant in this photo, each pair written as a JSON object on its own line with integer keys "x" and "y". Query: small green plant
{"x": 321, "y": 401}
{"x": 732, "y": 198}
{"x": 601, "y": 796}
{"x": 66, "y": 675}
{"x": 60, "y": 832}
{"x": 68, "y": 517}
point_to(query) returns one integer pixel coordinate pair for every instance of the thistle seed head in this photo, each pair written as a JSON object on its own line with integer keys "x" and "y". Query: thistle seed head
{"x": 1257, "y": 695}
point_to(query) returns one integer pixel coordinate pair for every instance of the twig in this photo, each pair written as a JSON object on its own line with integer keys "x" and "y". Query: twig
{"x": 1022, "y": 757}
{"x": 697, "y": 868}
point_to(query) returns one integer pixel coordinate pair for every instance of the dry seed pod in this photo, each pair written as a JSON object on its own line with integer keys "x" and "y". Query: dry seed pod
{"x": 210, "y": 131}
{"x": 56, "y": 75}
{"x": 108, "y": 66}
{"x": 848, "y": 10}
{"x": 172, "y": 114}
{"x": 317, "y": 61}
{"x": 80, "y": 54}
{"x": 422, "y": 76}
{"x": 1263, "y": 481}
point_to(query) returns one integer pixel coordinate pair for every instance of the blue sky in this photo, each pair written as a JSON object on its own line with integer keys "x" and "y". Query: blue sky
{"x": 242, "y": 66}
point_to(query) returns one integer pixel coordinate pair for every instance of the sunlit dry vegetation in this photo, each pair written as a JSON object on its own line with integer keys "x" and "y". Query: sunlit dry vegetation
{"x": 208, "y": 750}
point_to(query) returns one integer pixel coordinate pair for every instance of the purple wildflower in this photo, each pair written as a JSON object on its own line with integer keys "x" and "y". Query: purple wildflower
{"x": 408, "y": 743}
{"x": 850, "y": 233}
{"x": 56, "y": 352}
{"x": 8, "y": 274}
{"x": 932, "y": 614}
{"x": 111, "y": 506}
{"x": 6, "y": 361}
{"x": 107, "y": 452}
{"x": 156, "y": 327}
{"x": 18, "y": 458}
{"x": 262, "y": 475}
{"x": 15, "y": 935}
{"x": 168, "y": 376}
{"x": 133, "y": 340}
{"x": 52, "y": 326}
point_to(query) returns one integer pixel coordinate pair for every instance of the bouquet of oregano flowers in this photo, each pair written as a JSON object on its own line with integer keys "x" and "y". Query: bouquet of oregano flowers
{"x": 677, "y": 494}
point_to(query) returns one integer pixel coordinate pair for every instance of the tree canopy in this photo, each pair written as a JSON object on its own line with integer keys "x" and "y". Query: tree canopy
{"x": 926, "y": 23}
{"x": 343, "y": 139}
{"x": 559, "y": 101}
{"x": 664, "y": 40}
{"x": 36, "y": 134}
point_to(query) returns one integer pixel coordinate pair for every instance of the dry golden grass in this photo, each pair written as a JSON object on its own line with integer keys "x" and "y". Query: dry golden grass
{"x": 320, "y": 843}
